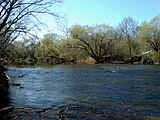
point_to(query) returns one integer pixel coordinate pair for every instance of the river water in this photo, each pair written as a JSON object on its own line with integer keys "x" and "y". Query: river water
{"x": 132, "y": 90}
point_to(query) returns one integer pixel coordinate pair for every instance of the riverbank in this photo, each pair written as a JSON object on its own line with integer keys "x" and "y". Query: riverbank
{"x": 3, "y": 78}
{"x": 88, "y": 60}
{"x": 73, "y": 112}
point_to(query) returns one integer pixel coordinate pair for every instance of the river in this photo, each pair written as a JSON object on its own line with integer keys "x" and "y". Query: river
{"x": 104, "y": 89}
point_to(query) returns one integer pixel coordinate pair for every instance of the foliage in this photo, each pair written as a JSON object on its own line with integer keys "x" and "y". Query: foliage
{"x": 103, "y": 43}
{"x": 95, "y": 41}
{"x": 157, "y": 57}
{"x": 149, "y": 32}
{"x": 47, "y": 47}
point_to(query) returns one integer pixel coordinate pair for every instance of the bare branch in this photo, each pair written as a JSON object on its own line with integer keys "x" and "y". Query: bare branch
{"x": 16, "y": 17}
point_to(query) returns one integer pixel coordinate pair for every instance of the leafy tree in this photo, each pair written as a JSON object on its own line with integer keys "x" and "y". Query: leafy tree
{"x": 18, "y": 49}
{"x": 48, "y": 46}
{"x": 95, "y": 41}
{"x": 150, "y": 33}
{"x": 120, "y": 49}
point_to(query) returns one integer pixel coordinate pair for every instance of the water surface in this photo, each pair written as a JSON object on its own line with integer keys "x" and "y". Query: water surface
{"x": 106, "y": 88}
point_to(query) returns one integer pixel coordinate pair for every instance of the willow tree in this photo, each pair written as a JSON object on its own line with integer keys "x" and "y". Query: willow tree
{"x": 21, "y": 18}
{"x": 48, "y": 47}
{"x": 95, "y": 41}
{"x": 149, "y": 33}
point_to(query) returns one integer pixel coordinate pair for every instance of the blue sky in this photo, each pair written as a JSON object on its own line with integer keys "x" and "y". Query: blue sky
{"x": 91, "y": 12}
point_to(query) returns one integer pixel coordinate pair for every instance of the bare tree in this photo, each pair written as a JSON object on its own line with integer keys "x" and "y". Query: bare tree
{"x": 20, "y": 17}
{"x": 63, "y": 27}
{"x": 128, "y": 27}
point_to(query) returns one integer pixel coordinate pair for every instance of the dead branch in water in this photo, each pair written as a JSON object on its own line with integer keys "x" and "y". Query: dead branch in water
{"x": 17, "y": 84}
{"x": 6, "y": 109}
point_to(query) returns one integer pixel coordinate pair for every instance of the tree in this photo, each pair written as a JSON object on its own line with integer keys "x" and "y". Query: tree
{"x": 95, "y": 41}
{"x": 129, "y": 27}
{"x": 149, "y": 32}
{"x": 48, "y": 46}
{"x": 20, "y": 17}
{"x": 120, "y": 50}
{"x": 18, "y": 50}
{"x": 69, "y": 51}
{"x": 64, "y": 29}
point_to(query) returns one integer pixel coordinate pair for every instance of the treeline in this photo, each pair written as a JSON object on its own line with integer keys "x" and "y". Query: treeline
{"x": 127, "y": 43}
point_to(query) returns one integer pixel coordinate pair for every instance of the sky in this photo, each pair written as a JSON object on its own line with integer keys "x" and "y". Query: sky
{"x": 109, "y": 11}
{"x": 92, "y": 12}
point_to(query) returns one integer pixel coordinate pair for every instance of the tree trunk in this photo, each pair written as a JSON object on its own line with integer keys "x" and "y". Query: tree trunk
{"x": 129, "y": 47}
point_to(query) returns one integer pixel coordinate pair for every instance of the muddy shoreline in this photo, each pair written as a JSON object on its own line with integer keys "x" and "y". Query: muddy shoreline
{"x": 65, "y": 113}
{"x": 72, "y": 113}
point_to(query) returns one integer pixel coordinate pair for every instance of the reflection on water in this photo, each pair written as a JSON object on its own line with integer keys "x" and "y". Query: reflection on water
{"x": 119, "y": 88}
